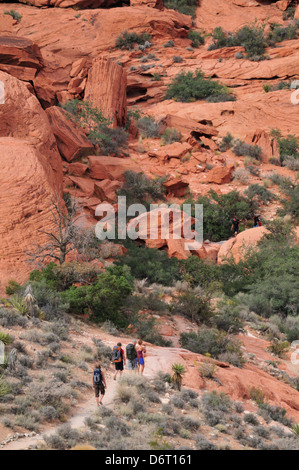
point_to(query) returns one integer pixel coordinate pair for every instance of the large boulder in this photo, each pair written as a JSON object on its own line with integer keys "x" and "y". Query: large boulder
{"x": 31, "y": 175}
{"x": 106, "y": 88}
{"x": 236, "y": 247}
{"x": 71, "y": 140}
{"x": 25, "y": 209}
{"x": 20, "y": 57}
{"x": 22, "y": 117}
{"x": 109, "y": 168}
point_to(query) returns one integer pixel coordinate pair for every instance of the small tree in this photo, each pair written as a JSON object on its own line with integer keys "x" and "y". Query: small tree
{"x": 60, "y": 241}
{"x": 177, "y": 376}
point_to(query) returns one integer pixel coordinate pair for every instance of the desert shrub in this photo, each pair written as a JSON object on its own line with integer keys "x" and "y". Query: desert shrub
{"x": 14, "y": 14}
{"x": 216, "y": 401}
{"x": 279, "y": 33}
{"x": 275, "y": 413}
{"x": 13, "y": 288}
{"x": 156, "y": 77}
{"x": 291, "y": 163}
{"x": 291, "y": 203}
{"x": 139, "y": 189}
{"x": 243, "y": 149}
{"x": 257, "y": 395}
{"x": 187, "y": 87}
{"x": 250, "y": 418}
{"x": 127, "y": 40}
{"x": 169, "y": 44}
{"x": 149, "y": 263}
{"x": 196, "y": 38}
{"x": 227, "y": 317}
{"x": 187, "y": 7}
{"x": 262, "y": 194}
{"x": 148, "y": 127}
{"x": 288, "y": 146}
{"x": 241, "y": 175}
{"x": 202, "y": 443}
{"x": 104, "y": 298}
{"x": 279, "y": 348}
{"x": 177, "y": 59}
{"x": 84, "y": 114}
{"x": 251, "y": 37}
{"x": 210, "y": 341}
{"x": 171, "y": 135}
{"x": 218, "y": 210}
{"x": 226, "y": 142}
{"x": 207, "y": 369}
{"x": 194, "y": 304}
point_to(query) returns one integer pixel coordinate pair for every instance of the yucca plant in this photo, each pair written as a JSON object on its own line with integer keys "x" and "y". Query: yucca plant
{"x": 5, "y": 338}
{"x": 295, "y": 429}
{"x": 177, "y": 376}
{"x": 18, "y": 303}
{"x": 4, "y": 387}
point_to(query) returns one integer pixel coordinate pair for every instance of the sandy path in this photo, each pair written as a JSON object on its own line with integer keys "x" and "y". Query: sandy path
{"x": 156, "y": 359}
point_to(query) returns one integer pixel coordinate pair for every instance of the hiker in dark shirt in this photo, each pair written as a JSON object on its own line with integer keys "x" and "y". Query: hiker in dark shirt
{"x": 235, "y": 225}
{"x": 119, "y": 359}
{"x": 256, "y": 220}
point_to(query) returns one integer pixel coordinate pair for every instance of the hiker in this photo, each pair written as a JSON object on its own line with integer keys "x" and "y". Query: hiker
{"x": 235, "y": 226}
{"x": 256, "y": 221}
{"x": 118, "y": 359}
{"x": 141, "y": 350}
{"x": 131, "y": 354}
{"x": 99, "y": 384}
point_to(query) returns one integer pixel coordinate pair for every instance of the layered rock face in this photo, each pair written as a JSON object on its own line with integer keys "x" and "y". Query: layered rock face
{"x": 31, "y": 172}
{"x": 106, "y": 89}
{"x": 70, "y": 3}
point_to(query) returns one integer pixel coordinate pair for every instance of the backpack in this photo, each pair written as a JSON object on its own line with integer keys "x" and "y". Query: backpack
{"x": 97, "y": 377}
{"x": 116, "y": 354}
{"x": 131, "y": 352}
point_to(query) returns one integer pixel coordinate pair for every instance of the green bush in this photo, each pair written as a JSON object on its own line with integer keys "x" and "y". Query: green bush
{"x": 195, "y": 305}
{"x": 210, "y": 341}
{"x": 104, "y": 298}
{"x": 218, "y": 210}
{"x": 288, "y": 146}
{"x": 196, "y": 38}
{"x": 149, "y": 263}
{"x": 171, "y": 135}
{"x": 251, "y": 37}
{"x": 15, "y": 15}
{"x": 148, "y": 127}
{"x": 241, "y": 149}
{"x": 138, "y": 188}
{"x": 187, "y": 7}
{"x": 88, "y": 116}
{"x": 128, "y": 40}
{"x": 279, "y": 33}
{"x": 262, "y": 194}
{"x": 187, "y": 87}
{"x": 226, "y": 142}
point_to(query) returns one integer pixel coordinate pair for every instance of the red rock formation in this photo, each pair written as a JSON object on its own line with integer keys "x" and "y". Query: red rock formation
{"x": 25, "y": 195}
{"x": 236, "y": 247}
{"x": 220, "y": 174}
{"x": 71, "y": 140}
{"x": 20, "y": 57}
{"x": 106, "y": 89}
{"x": 111, "y": 168}
{"x": 22, "y": 117}
{"x": 71, "y": 3}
